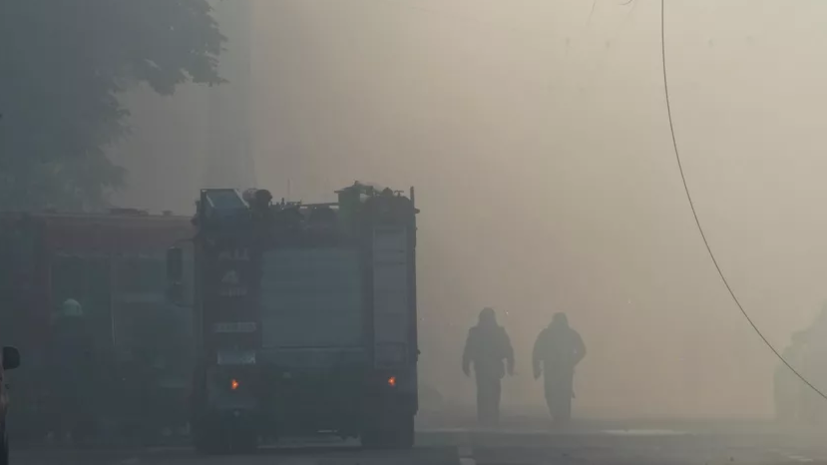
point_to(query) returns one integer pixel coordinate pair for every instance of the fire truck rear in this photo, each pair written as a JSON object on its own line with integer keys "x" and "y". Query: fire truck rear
{"x": 305, "y": 317}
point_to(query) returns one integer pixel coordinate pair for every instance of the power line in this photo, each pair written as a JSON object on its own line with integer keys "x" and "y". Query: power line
{"x": 695, "y": 213}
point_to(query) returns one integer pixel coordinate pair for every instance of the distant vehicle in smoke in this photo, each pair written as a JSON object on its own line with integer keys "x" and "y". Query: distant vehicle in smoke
{"x": 113, "y": 263}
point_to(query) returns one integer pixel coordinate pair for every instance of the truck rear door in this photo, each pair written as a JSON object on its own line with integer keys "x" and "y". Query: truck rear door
{"x": 392, "y": 300}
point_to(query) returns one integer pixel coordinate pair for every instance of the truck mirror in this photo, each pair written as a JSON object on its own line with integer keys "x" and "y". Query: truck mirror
{"x": 11, "y": 358}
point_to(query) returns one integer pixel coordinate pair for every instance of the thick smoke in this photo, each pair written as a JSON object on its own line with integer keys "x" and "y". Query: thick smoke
{"x": 536, "y": 135}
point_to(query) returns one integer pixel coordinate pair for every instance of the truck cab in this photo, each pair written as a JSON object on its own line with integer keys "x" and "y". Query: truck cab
{"x": 305, "y": 317}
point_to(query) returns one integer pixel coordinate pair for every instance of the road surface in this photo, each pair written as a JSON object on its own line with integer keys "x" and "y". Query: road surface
{"x": 612, "y": 445}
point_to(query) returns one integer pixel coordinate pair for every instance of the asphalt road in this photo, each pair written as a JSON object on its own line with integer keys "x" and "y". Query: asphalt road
{"x": 591, "y": 445}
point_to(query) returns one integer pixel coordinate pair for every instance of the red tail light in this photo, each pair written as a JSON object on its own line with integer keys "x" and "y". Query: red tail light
{"x": 234, "y": 384}
{"x": 392, "y": 381}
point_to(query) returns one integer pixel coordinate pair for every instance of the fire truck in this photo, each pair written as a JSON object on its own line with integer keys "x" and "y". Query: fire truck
{"x": 113, "y": 264}
{"x": 305, "y": 317}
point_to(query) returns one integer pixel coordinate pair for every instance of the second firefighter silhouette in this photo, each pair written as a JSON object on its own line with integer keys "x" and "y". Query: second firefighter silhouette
{"x": 487, "y": 347}
{"x": 559, "y": 349}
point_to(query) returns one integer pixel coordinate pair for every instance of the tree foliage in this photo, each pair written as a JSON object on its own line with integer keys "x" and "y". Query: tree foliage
{"x": 63, "y": 65}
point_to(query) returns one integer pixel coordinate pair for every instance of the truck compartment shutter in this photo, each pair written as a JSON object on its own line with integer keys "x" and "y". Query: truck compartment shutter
{"x": 390, "y": 296}
{"x": 311, "y": 298}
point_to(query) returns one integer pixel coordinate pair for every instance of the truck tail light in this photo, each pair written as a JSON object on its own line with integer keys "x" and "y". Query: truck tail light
{"x": 392, "y": 381}
{"x": 234, "y": 384}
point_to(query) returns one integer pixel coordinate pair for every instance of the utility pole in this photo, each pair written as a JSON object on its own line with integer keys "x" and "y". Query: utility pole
{"x": 230, "y": 159}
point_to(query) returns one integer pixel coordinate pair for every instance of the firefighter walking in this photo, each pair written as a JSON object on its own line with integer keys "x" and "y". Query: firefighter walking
{"x": 487, "y": 347}
{"x": 557, "y": 351}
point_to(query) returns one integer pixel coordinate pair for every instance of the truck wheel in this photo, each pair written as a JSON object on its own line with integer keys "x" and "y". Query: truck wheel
{"x": 205, "y": 443}
{"x": 242, "y": 442}
{"x": 225, "y": 441}
{"x": 207, "y": 439}
{"x": 371, "y": 437}
{"x": 4, "y": 448}
{"x": 404, "y": 434}
{"x": 407, "y": 434}
{"x": 390, "y": 434}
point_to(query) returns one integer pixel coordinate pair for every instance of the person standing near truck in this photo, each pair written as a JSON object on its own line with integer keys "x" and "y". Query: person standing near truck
{"x": 557, "y": 351}
{"x": 487, "y": 346}
{"x": 71, "y": 371}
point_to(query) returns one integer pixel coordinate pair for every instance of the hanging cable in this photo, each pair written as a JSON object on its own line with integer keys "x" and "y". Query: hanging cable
{"x": 695, "y": 213}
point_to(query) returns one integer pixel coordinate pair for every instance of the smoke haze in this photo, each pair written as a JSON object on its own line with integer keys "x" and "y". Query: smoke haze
{"x": 536, "y": 135}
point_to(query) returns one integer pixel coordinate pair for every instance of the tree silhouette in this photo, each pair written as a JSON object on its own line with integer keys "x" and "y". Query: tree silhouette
{"x": 63, "y": 65}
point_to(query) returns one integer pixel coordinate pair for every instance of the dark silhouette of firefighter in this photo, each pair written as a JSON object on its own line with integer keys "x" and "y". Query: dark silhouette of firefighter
{"x": 487, "y": 347}
{"x": 72, "y": 374}
{"x": 558, "y": 350}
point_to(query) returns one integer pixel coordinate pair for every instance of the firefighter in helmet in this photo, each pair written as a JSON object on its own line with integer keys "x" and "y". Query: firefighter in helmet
{"x": 557, "y": 351}
{"x": 487, "y": 346}
{"x": 70, "y": 359}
